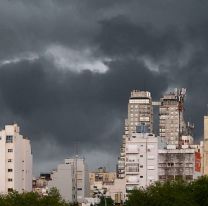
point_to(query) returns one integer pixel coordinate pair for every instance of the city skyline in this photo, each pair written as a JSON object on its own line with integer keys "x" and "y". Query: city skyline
{"x": 67, "y": 69}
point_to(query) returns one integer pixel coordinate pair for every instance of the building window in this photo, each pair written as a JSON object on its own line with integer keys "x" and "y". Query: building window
{"x": 10, "y": 170}
{"x": 141, "y": 155}
{"x": 9, "y": 139}
{"x": 9, "y": 160}
{"x": 79, "y": 188}
{"x": 141, "y": 176}
{"x": 10, "y": 150}
{"x": 10, "y": 189}
{"x": 9, "y": 179}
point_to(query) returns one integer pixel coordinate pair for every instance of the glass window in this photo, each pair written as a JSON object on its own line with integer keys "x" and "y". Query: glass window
{"x": 10, "y": 189}
{"x": 9, "y": 179}
{"x": 10, "y": 150}
{"x": 10, "y": 170}
{"x": 9, "y": 139}
{"x": 9, "y": 160}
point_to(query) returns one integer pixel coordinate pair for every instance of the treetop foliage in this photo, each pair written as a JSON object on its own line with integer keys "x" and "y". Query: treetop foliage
{"x": 32, "y": 199}
{"x": 174, "y": 193}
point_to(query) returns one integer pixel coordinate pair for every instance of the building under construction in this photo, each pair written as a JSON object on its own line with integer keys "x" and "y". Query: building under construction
{"x": 175, "y": 164}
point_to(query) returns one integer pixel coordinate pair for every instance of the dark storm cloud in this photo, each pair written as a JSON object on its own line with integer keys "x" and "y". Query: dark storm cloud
{"x": 120, "y": 37}
{"x": 67, "y": 107}
{"x": 147, "y": 45}
{"x": 180, "y": 53}
{"x": 88, "y": 102}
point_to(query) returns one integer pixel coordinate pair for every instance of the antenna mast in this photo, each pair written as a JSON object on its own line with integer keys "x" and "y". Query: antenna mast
{"x": 180, "y": 97}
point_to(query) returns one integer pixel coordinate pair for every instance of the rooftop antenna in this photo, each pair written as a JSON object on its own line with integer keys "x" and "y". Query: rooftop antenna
{"x": 180, "y": 97}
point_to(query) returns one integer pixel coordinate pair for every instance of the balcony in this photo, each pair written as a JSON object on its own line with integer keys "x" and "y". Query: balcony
{"x": 129, "y": 161}
{"x": 132, "y": 183}
{"x": 132, "y": 171}
{"x": 128, "y": 151}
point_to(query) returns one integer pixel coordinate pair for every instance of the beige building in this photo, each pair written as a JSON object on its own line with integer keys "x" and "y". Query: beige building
{"x": 140, "y": 110}
{"x": 171, "y": 119}
{"x": 99, "y": 178}
{"x": 117, "y": 191}
{"x": 40, "y": 184}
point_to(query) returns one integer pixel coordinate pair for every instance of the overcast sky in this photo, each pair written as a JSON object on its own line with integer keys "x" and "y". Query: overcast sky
{"x": 67, "y": 69}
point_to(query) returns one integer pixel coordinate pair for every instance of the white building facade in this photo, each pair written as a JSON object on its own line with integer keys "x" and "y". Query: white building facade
{"x": 71, "y": 179}
{"x": 141, "y": 163}
{"x": 15, "y": 160}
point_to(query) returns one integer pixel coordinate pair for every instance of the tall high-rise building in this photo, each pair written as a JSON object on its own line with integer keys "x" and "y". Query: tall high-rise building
{"x": 140, "y": 110}
{"x": 172, "y": 124}
{"x": 15, "y": 161}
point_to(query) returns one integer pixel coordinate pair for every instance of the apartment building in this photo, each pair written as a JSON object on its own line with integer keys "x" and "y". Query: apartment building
{"x": 71, "y": 179}
{"x": 171, "y": 117}
{"x": 15, "y": 160}
{"x": 140, "y": 111}
{"x": 179, "y": 163}
{"x": 141, "y": 160}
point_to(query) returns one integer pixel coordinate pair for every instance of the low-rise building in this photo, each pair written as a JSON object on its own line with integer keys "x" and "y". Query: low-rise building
{"x": 99, "y": 178}
{"x": 40, "y": 184}
{"x": 117, "y": 190}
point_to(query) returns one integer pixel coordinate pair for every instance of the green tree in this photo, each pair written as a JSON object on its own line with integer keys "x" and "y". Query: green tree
{"x": 199, "y": 190}
{"x": 173, "y": 193}
{"x": 53, "y": 199}
{"x": 32, "y": 199}
{"x": 106, "y": 201}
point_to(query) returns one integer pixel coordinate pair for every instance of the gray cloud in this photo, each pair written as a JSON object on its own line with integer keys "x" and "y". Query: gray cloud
{"x": 67, "y": 68}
